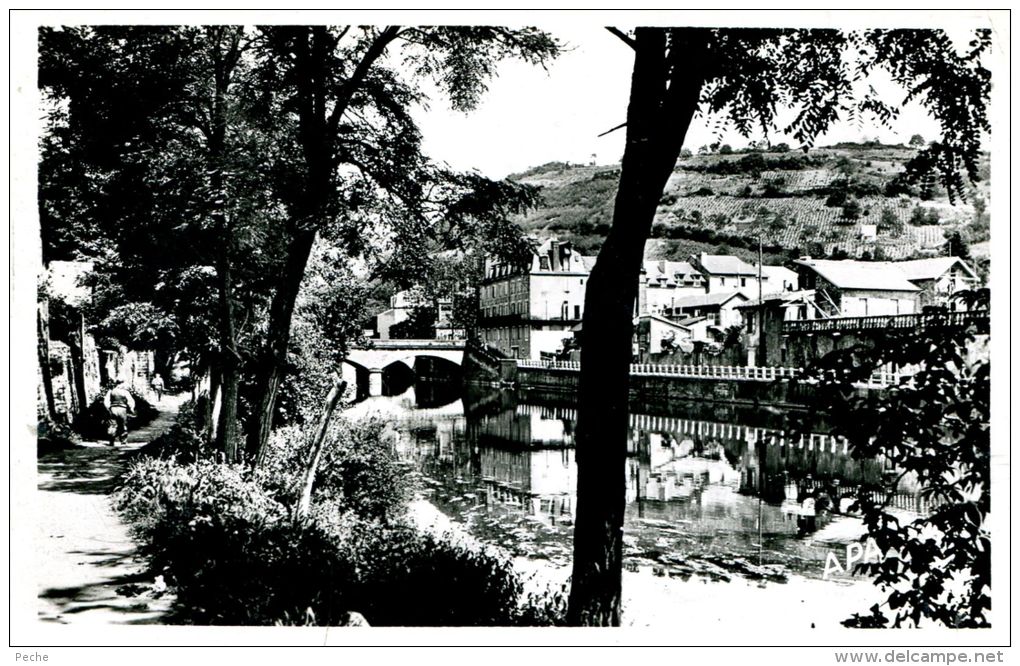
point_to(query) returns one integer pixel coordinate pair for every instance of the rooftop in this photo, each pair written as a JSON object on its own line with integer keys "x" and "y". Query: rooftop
{"x": 928, "y": 269}
{"x": 782, "y": 297}
{"x": 703, "y": 300}
{"x": 853, "y": 274}
{"x": 665, "y": 273}
{"x": 725, "y": 264}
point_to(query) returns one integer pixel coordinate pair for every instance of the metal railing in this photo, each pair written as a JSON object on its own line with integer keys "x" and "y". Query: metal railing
{"x": 978, "y": 318}
{"x": 737, "y": 372}
{"x": 429, "y": 343}
{"x": 879, "y": 378}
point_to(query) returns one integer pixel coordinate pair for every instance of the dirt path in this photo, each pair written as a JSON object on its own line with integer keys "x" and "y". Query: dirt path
{"x": 86, "y": 564}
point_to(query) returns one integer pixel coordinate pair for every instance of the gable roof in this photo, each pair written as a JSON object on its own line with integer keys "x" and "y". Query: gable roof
{"x": 725, "y": 264}
{"x": 931, "y": 268}
{"x": 852, "y": 274}
{"x": 664, "y": 320}
{"x": 704, "y": 300}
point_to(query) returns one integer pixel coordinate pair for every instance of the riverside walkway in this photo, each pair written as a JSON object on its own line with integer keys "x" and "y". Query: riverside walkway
{"x": 87, "y": 567}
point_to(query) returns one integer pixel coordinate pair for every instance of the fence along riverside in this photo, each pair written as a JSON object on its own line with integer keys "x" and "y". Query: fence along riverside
{"x": 727, "y": 372}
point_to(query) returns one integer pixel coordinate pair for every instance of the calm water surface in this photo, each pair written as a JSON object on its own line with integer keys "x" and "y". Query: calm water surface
{"x": 712, "y": 492}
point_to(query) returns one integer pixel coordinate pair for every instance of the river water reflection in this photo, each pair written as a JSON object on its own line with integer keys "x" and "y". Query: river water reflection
{"x": 713, "y": 494}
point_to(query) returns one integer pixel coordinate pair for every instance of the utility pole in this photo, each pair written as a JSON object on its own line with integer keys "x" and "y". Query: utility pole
{"x": 761, "y": 311}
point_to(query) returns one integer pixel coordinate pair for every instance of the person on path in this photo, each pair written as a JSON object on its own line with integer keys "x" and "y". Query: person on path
{"x": 120, "y": 404}
{"x": 157, "y": 386}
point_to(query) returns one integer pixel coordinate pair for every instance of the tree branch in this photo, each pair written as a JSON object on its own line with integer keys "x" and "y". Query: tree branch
{"x": 610, "y": 131}
{"x": 350, "y": 86}
{"x": 623, "y": 36}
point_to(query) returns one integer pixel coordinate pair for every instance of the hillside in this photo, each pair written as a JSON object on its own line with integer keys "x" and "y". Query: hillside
{"x": 819, "y": 203}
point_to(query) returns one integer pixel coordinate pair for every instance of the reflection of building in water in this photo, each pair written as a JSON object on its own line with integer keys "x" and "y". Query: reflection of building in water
{"x": 542, "y": 481}
{"x": 527, "y": 426}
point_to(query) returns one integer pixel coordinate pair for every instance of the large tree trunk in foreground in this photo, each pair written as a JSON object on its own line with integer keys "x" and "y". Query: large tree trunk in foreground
{"x": 657, "y": 120}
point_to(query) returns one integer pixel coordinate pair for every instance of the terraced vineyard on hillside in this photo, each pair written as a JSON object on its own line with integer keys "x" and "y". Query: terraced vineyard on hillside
{"x": 831, "y": 202}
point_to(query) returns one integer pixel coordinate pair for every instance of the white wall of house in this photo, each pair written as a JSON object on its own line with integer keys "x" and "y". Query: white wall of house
{"x": 870, "y": 305}
{"x": 557, "y": 295}
{"x": 547, "y": 339}
{"x": 659, "y": 298}
{"x": 725, "y": 284}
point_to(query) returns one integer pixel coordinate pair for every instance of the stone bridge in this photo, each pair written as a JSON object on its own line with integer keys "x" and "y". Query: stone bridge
{"x": 374, "y": 359}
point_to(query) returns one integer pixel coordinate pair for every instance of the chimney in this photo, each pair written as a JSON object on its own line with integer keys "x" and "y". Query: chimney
{"x": 554, "y": 255}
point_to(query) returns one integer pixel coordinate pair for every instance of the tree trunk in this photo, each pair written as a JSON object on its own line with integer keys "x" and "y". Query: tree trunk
{"x": 275, "y": 362}
{"x": 230, "y": 366}
{"x": 225, "y": 53}
{"x": 657, "y": 120}
{"x": 208, "y": 426}
{"x": 76, "y": 345}
{"x": 315, "y": 450}
{"x": 43, "y": 346}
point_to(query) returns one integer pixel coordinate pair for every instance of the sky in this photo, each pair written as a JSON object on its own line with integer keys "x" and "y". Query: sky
{"x": 530, "y": 116}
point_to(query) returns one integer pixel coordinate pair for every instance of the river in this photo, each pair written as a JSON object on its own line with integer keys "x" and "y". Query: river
{"x": 713, "y": 501}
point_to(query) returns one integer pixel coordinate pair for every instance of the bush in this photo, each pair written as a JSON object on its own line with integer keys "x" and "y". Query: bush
{"x": 407, "y": 578}
{"x": 91, "y": 424}
{"x": 358, "y": 468}
{"x": 54, "y": 436}
{"x": 225, "y": 541}
{"x": 179, "y": 443}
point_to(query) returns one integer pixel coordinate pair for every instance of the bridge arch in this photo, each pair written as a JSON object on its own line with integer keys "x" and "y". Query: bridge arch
{"x": 365, "y": 366}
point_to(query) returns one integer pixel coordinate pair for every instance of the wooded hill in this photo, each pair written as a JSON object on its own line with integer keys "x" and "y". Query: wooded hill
{"x": 815, "y": 203}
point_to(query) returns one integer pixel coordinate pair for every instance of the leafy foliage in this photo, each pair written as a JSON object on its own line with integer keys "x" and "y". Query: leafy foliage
{"x": 933, "y": 429}
{"x": 420, "y": 323}
{"x": 358, "y": 469}
{"x": 225, "y": 542}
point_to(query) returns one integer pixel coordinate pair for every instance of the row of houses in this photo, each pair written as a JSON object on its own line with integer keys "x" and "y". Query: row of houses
{"x": 533, "y": 311}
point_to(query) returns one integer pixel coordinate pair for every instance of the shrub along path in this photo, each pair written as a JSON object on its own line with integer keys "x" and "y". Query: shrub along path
{"x": 86, "y": 567}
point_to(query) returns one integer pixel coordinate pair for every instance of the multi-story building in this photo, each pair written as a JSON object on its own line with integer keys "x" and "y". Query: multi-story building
{"x": 938, "y": 278}
{"x": 529, "y": 309}
{"x": 726, "y": 273}
{"x": 664, "y": 282}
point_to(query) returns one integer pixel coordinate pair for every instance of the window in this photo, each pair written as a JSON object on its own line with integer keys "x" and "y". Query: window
{"x": 722, "y": 282}
{"x": 577, "y": 312}
{"x": 743, "y": 282}
{"x": 565, "y": 310}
